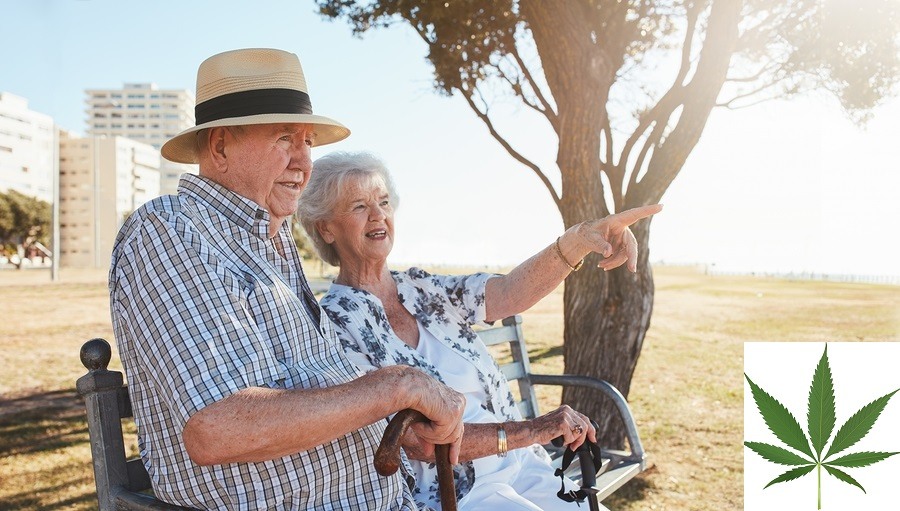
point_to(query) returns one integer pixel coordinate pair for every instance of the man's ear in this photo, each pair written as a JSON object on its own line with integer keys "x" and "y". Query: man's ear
{"x": 325, "y": 231}
{"x": 215, "y": 148}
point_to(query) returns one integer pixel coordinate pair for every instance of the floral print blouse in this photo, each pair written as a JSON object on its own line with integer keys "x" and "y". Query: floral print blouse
{"x": 448, "y": 307}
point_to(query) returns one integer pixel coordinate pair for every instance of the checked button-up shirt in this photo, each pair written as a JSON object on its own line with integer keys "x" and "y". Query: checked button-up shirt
{"x": 204, "y": 305}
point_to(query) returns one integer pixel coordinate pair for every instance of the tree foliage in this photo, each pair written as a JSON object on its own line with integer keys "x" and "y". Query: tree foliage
{"x": 652, "y": 59}
{"x": 24, "y": 219}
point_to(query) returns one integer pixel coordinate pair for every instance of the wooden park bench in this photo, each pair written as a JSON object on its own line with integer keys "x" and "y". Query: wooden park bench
{"x": 124, "y": 484}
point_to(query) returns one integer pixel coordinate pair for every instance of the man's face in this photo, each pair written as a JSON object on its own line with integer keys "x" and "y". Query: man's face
{"x": 270, "y": 164}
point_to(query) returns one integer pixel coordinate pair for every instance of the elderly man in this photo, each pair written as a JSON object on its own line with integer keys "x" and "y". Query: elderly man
{"x": 242, "y": 395}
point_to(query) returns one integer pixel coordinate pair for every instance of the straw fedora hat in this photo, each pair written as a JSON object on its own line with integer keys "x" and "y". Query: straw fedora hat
{"x": 251, "y": 86}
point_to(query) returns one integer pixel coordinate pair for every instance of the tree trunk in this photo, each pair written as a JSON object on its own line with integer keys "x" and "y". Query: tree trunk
{"x": 20, "y": 252}
{"x": 607, "y": 315}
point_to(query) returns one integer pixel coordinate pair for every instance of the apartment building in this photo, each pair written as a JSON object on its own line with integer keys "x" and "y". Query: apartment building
{"x": 102, "y": 180}
{"x": 26, "y": 149}
{"x": 147, "y": 114}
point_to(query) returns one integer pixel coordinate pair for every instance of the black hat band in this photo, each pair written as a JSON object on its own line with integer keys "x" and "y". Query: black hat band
{"x": 253, "y": 102}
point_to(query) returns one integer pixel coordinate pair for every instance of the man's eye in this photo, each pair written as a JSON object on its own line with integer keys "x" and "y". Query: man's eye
{"x": 286, "y": 138}
{"x": 309, "y": 142}
{"x": 385, "y": 202}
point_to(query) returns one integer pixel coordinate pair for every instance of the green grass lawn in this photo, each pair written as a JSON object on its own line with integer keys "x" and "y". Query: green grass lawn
{"x": 687, "y": 393}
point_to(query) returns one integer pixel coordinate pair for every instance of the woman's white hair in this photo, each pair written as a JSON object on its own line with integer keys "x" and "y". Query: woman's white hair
{"x": 330, "y": 177}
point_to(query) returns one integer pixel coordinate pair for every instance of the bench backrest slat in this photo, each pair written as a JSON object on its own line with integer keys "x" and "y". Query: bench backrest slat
{"x": 498, "y": 335}
{"x": 517, "y": 370}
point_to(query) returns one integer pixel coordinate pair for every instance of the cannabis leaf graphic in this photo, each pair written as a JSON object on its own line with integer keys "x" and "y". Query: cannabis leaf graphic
{"x": 820, "y": 424}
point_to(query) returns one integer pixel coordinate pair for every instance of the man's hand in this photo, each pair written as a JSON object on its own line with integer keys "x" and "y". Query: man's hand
{"x": 444, "y": 407}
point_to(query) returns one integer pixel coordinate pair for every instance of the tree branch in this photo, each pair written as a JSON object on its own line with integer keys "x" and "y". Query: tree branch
{"x": 703, "y": 89}
{"x": 548, "y": 110}
{"x": 769, "y": 85}
{"x": 693, "y": 14}
{"x": 674, "y": 96}
{"x": 509, "y": 149}
{"x": 652, "y": 140}
{"x": 607, "y": 133}
{"x": 752, "y": 78}
{"x": 516, "y": 86}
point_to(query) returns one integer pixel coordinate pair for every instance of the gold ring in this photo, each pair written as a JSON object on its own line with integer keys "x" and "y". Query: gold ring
{"x": 578, "y": 429}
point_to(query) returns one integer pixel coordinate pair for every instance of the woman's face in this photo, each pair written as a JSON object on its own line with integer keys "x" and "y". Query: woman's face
{"x": 361, "y": 227}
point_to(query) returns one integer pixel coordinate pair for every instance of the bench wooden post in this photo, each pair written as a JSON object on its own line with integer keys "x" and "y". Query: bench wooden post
{"x": 118, "y": 480}
{"x": 100, "y": 388}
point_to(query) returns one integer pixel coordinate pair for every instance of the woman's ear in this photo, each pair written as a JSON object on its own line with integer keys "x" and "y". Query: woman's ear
{"x": 325, "y": 231}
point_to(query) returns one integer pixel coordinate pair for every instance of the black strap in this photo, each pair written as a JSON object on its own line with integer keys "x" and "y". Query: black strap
{"x": 589, "y": 449}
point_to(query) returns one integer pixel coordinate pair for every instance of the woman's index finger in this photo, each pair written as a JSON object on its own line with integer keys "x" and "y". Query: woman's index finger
{"x": 630, "y": 216}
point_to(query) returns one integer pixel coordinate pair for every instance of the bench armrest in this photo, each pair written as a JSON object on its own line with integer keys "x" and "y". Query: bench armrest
{"x": 566, "y": 380}
{"x": 134, "y": 501}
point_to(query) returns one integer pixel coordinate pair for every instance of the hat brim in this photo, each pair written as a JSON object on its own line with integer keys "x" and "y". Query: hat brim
{"x": 182, "y": 148}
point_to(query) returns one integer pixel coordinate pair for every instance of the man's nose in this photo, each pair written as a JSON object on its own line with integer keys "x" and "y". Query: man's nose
{"x": 301, "y": 155}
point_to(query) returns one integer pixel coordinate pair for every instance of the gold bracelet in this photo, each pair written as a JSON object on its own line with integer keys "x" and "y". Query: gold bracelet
{"x": 501, "y": 441}
{"x": 559, "y": 251}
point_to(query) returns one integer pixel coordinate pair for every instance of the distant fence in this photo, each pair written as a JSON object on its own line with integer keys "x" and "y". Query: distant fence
{"x": 890, "y": 280}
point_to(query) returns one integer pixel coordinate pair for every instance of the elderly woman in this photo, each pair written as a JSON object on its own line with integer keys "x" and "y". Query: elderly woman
{"x": 386, "y": 317}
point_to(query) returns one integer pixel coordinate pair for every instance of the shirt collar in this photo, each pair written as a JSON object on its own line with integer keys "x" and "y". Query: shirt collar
{"x": 236, "y": 208}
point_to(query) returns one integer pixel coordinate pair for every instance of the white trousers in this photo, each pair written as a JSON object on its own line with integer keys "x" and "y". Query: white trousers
{"x": 521, "y": 482}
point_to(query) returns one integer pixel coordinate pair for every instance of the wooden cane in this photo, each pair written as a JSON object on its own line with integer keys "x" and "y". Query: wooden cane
{"x": 387, "y": 457}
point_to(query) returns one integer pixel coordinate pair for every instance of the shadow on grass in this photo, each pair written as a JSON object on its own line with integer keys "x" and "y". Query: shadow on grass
{"x": 44, "y": 498}
{"x": 555, "y": 351}
{"x": 41, "y": 422}
{"x": 632, "y": 491}
{"x": 41, "y": 436}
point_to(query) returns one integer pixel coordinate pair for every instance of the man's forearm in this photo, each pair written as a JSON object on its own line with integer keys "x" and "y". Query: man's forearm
{"x": 258, "y": 424}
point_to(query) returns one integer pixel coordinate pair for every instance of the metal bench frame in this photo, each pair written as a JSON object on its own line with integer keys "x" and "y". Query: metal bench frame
{"x": 124, "y": 484}
{"x": 618, "y": 466}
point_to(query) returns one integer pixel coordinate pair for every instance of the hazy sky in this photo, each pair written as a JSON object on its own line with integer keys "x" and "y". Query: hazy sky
{"x": 779, "y": 187}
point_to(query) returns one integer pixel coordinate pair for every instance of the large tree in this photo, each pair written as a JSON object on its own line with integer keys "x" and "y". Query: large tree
{"x": 592, "y": 69}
